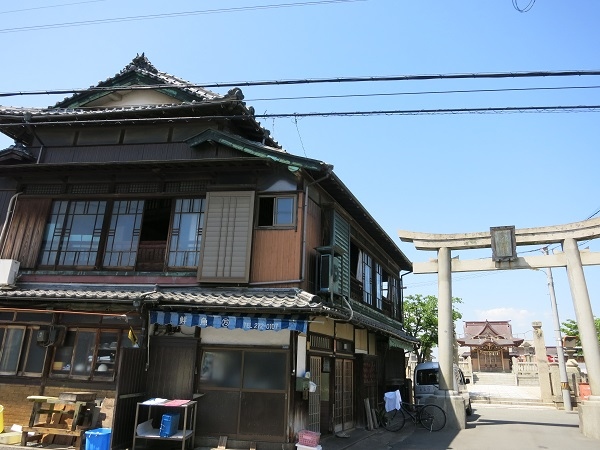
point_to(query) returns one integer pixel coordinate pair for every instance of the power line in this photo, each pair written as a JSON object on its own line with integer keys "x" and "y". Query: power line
{"x": 287, "y": 82}
{"x": 175, "y": 14}
{"x": 593, "y": 214}
{"x": 390, "y": 94}
{"x": 50, "y": 6}
{"x": 526, "y": 8}
{"x": 396, "y": 112}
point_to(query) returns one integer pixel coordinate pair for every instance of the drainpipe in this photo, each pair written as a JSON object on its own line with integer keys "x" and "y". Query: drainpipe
{"x": 402, "y": 293}
{"x": 305, "y": 214}
{"x": 7, "y": 219}
{"x": 27, "y": 118}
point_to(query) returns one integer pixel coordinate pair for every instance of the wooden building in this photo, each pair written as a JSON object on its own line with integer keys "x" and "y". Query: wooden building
{"x": 158, "y": 242}
{"x": 491, "y": 345}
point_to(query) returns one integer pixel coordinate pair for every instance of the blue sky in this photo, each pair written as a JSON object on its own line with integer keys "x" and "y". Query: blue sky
{"x": 430, "y": 173}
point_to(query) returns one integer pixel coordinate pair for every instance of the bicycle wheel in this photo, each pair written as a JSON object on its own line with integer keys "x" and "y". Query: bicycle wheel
{"x": 432, "y": 417}
{"x": 393, "y": 420}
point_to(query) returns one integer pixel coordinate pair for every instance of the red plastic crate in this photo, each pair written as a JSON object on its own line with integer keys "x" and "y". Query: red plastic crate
{"x": 308, "y": 438}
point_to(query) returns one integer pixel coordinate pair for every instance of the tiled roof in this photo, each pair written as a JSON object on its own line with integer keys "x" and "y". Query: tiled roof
{"x": 141, "y": 74}
{"x": 141, "y": 65}
{"x": 18, "y": 152}
{"x": 259, "y": 300}
{"x": 95, "y": 110}
{"x": 476, "y": 342}
{"x": 242, "y": 297}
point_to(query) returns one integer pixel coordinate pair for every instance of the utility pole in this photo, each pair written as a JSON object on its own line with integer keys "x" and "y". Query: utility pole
{"x": 562, "y": 367}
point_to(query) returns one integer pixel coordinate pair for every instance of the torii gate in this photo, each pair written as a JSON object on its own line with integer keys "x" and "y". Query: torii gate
{"x": 503, "y": 241}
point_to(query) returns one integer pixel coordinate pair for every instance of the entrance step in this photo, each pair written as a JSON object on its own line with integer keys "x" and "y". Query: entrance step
{"x": 494, "y": 378}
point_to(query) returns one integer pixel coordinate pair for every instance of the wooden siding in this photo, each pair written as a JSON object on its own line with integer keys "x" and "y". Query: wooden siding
{"x": 131, "y": 389}
{"x": 172, "y": 151}
{"x": 313, "y": 240}
{"x": 172, "y": 367}
{"x": 134, "y": 152}
{"x": 24, "y": 237}
{"x": 227, "y": 237}
{"x": 341, "y": 239}
{"x": 276, "y": 255}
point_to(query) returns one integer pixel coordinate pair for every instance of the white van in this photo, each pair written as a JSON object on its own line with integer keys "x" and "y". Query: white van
{"x": 426, "y": 383}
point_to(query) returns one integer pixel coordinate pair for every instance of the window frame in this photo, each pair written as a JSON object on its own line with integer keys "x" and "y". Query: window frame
{"x": 28, "y": 339}
{"x": 378, "y": 285}
{"x": 107, "y": 255}
{"x": 274, "y": 223}
{"x": 177, "y": 215}
{"x": 57, "y": 231}
{"x": 100, "y": 348}
{"x": 367, "y": 278}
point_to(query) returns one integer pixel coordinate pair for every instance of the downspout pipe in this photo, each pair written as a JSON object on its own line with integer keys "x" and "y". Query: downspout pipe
{"x": 27, "y": 118}
{"x": 402, "y": 292}
{"x": 305, "y": 215}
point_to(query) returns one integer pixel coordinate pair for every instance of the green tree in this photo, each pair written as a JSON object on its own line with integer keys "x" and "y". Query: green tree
{"x": 570, "y": 328}
{"x": 421, "y": 321}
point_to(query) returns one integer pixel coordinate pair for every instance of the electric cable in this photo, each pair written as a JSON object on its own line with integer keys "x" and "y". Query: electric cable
{"x": 305, "y": 81}
{"x": 175, "y": 14}
{"x": 393, "y": 94}
{"x": 393, "y": 112}
{"x": 50, "y": 6}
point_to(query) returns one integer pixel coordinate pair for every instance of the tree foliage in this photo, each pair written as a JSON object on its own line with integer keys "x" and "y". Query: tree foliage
{"x": 570, "y": 328}
{"x": 421, "y": 321}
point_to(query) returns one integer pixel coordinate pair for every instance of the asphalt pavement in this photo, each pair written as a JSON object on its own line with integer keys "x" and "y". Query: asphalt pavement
{"x": 490, "y": 427}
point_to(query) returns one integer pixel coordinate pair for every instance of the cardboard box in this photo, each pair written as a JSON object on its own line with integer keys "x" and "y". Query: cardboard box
{"x": 306, "y": 447}
{"x": 10, "y": 437}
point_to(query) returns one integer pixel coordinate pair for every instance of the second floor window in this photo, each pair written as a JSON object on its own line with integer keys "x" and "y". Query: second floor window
{"x": 367, "y": 273}
{"x": 276, "y": 211}
{"x": 72, "y": 233}
{"x": 378, "y": 286}
{"x": 123, "y": 234}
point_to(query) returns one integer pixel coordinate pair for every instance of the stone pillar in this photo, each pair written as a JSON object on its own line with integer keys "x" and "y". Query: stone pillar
{"x": 541, "y": 358}
{"x": 447, "y": 398}
{"x": 573, "y": 372}
{"x": 445, "y": 324}
{"x": 589, "y": 410}
{"x": 584, "y": 314}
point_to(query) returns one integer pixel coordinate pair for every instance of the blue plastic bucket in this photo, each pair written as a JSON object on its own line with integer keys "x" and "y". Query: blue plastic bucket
{"x": 98, "y": 439}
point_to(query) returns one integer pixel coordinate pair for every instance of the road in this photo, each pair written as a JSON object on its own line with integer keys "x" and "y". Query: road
{"x": 492, "y": 427}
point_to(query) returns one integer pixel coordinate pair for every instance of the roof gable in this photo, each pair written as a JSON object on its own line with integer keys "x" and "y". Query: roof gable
{"x": 16, "y": 154}
{"x": 498, "y": 333}
{"x": 487, "y": 328}
{"x": 139, "y": 71}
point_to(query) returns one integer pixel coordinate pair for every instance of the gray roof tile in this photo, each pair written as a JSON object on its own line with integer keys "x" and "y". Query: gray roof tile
{"x": 242, "y": 297}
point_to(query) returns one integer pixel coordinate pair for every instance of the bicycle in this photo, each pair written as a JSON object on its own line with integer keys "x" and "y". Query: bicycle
{"x": 431, "y": 417}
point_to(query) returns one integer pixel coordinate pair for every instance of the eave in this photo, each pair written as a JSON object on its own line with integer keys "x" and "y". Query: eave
{"x": 342, "y": 195}
{"x": 258, "y": 150}
{"x": 195, "y": 167}
{"x": 105, "y": 298}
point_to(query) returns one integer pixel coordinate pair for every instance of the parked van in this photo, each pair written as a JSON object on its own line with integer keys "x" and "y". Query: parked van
{"x": 426, "y": 383}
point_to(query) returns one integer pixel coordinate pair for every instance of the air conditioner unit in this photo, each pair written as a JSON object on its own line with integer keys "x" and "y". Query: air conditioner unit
{"x": 9, "y": 268}
{"x": 329, "y": 274}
